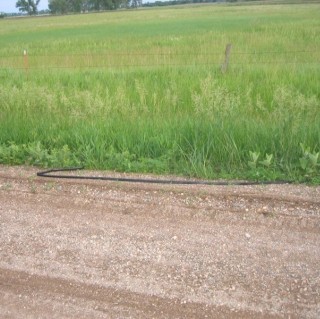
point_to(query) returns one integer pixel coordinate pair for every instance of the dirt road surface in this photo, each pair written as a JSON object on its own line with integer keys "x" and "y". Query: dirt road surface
{"x": 96, "y": 249}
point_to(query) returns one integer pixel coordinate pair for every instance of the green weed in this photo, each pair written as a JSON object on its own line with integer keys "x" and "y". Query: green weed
{"x": 309, "y": 162}
{"x": 142, "y": 91}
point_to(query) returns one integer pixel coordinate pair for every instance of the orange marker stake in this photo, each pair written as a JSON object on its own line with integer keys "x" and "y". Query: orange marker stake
{"x": 26, "y": 61}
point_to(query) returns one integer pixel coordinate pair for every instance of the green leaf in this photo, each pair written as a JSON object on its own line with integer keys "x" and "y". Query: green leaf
{"x": 303, "y": 163}
{"x": 314, "y": 159}
{"x": 267, "y": 161}
{"x": 254, "y": 156}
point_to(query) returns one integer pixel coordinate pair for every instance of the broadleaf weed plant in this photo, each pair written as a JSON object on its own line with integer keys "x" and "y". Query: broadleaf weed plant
{"x": 157, "y": 100}
{"x": 309, "y": 162}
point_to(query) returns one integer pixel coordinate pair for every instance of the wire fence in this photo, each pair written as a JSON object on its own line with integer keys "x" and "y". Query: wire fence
{"x": 159, "y": 53}
{"x": 105, "y": 60}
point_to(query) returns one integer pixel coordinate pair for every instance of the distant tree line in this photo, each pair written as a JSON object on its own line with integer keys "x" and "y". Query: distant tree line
{"x": 76, "y": 6}
{"x": 175, "y": 2}
{"x": 67, "y": 6}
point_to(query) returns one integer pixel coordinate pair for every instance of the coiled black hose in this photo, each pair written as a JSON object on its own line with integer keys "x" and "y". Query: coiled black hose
{"x": 48, "y": 173}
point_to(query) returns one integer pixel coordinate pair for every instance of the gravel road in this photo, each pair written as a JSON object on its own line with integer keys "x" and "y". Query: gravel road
{"x": 97, "y": 249}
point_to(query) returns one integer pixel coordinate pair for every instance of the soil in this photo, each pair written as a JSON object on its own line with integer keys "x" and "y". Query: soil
{"x": 97, "y": 249}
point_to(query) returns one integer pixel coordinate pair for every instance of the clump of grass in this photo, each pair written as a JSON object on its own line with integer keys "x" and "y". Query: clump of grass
{"x": 156, "y": 105}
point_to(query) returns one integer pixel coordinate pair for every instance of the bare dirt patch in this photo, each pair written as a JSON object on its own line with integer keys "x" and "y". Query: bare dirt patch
{"x": 96, "y": 249}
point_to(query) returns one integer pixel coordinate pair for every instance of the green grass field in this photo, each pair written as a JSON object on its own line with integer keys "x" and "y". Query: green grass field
{"x": 143, "y": 91}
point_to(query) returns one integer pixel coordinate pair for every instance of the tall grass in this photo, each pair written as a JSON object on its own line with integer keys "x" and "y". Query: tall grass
{"x": 142, "y": 91}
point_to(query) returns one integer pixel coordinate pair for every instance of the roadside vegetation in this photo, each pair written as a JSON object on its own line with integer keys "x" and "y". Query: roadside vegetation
{"x": 143, "y": 91}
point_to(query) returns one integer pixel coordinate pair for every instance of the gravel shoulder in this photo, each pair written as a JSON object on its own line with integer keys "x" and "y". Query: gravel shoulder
{"x": 97, "y": 249}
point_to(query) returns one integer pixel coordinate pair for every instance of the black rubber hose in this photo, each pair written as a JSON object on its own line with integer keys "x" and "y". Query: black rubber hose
{"x": 47, "y": 173}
